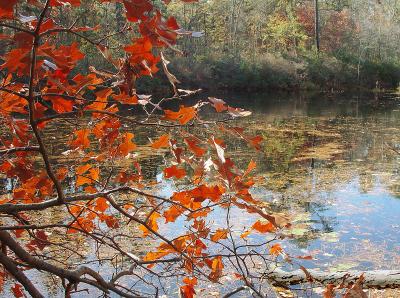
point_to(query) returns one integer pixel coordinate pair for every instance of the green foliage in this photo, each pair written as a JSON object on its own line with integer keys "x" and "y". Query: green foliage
{"x": 253, "y": 44}
{"x": 277, "y": 72}
{"x": 284, "y": 32}
{"x": 227, "y": 73}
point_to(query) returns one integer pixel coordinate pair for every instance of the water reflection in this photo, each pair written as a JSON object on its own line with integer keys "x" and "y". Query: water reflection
{"x": 328, "y": 162}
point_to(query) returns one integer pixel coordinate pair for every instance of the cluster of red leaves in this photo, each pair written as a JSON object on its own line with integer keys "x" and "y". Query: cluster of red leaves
{"x": 333, "y": 29}
{"x": 56, "y": 90}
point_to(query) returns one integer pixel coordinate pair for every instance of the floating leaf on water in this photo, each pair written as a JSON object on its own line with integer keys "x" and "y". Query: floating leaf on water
{"x": 330, "y": 237}
{"x": 344, "y": 266}
{"x": 298, "y": 231}
{"x": 301, "y": 217}
{"x": 322, "y": 152}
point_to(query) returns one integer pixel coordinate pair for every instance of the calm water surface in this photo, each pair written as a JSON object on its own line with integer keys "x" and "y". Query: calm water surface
{"x": 329, "y": 162}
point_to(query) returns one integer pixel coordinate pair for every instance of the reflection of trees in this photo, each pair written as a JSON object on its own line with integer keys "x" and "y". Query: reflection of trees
{"x": 366, "y": 162}
{"x": 366, "y": 182}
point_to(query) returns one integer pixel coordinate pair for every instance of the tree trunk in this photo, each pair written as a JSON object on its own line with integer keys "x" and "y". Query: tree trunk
{"x": 373, "y": 279}
{"x": 316, "y": 24}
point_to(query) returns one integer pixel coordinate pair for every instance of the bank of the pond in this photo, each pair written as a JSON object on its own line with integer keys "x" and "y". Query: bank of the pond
{"x": 271, "y": 72}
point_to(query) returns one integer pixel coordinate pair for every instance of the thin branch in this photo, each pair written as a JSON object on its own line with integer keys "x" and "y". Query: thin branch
{"x": 19, "y": 149}
{"x": 14, "y": 92}
{"x": 112, "y": 114}
{"x": 16, "y": 28}
{"x": 31, "y": 101}
{"x": 19, "y": 276}
{"x": 237, "y": 290}
{"x": 68, "y": 30}
{"x": 72, "y": 276}
{"x": 13, "y": 208}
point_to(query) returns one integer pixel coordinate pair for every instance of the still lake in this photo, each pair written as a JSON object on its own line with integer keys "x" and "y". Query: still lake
{"x": 329, "y": 162}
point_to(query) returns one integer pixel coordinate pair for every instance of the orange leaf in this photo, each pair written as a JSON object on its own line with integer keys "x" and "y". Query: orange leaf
{"x": 151, "y": 256}
{"x": 245, "y": 234}
{"x": 255, "y": 142}
{"x": 103, "y": 95}
{"x": 219, "y": 234}
{"x": 172, "y": 213}
{"x": 218, "y": 104}
{"x": 183, "y": 116}
{"x": 7, "y": 8}
{"x": 112, "y": 222}
{"x": 127, "y": 145}
{"x": 152, "y": 224}
{"x": 101, "y": 100}
{"x": 329, "y": 291}
{"x": 126, "y": 99}
{"x": 252, "y": 165}
{"x": 174, "y": 171}
{"x": 193, "y": 146}
{"x": 216, "y": 268}
{"x": 275, "y": 249}
{"x": 263, "y": 227}
{"x": 82, "y": 169}
{"x": 97, "y": 105}
{"x": 81, "y": 139}
{"x": 87, "y": 175}
{"x": 17, "y": 291}
{"x": 201, "y": 213}
{"x": 305, "y": 257}
{"x": 61, "y": 105}
{"x": 163, "y": 141}
{"x": 190, "y": 281}
{"x": 187, "y": 290}
{"x": 64, "y": 2}
{"x": 94, "y": 173}
{"x": 62, "y": 173}
{"x": 101, "y": 205}
{"x": 136, "y": 10}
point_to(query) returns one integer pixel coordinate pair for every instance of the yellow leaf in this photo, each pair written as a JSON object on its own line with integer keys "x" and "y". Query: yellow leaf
{"x": 151, "y": 223}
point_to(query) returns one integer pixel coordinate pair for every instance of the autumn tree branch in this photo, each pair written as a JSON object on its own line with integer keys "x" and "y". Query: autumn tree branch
{"x": 31, "y": 105}
{"x": 13, "y": 269}
{"x": 19, "y": 149}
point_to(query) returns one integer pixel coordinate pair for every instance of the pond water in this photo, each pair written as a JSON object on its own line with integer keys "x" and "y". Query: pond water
{"x": 329, "y": 162}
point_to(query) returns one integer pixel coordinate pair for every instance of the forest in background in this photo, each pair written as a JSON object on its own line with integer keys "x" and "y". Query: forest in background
{"x": 254, "y": 44}
{"x": 263, "y": 45}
